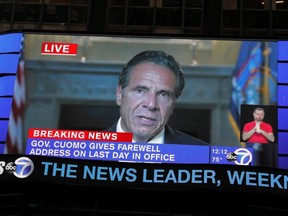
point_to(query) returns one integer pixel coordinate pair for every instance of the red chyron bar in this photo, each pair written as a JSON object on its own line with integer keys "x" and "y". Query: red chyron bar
{"x": 52, "y": 48}
{"x": 79, "y": 135}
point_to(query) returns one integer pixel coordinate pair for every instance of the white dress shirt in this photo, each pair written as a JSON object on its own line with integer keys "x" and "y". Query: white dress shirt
{"x": 158, "y": 139}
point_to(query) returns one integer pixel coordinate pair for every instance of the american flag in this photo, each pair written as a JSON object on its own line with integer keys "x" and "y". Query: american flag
{"x": 14, "y": 141}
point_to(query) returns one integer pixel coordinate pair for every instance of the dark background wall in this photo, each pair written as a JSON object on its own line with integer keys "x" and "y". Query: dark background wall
{"x": 226, "y": 18}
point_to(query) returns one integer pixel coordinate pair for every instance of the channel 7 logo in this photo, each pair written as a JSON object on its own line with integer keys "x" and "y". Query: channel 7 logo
{"x": 240, "y": 156}
{"x": 21, "y": 167}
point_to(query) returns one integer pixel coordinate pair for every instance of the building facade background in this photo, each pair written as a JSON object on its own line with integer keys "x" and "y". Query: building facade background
{"x": 262, "y": 18}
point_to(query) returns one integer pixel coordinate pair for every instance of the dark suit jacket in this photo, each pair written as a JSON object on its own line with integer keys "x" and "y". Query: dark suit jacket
{"x": 173, "y": 136}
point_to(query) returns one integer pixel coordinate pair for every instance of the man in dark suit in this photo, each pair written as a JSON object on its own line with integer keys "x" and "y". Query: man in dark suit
{"x": 173, "y": 136}
{"x": 147, "y": 89}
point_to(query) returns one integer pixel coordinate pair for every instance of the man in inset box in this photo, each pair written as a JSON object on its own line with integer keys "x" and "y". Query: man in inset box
{"x": 258, "y": 131}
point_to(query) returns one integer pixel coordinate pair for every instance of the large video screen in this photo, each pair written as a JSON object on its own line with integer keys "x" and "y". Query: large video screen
{"x": 71, "y": 91}
{"x": 145, "y": 99}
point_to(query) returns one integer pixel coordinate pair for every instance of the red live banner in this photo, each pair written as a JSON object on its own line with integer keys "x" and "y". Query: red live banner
{"x": 52, "y": 48}
{"x": 79, "y": 135}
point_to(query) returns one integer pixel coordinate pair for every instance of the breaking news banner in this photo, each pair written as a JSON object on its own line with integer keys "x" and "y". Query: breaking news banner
{"x": 220, "y": 177}
{"x": 112, "y": 146}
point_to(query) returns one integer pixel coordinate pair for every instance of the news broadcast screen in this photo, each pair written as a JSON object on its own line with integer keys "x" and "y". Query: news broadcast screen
{"x": 144, "y": 100}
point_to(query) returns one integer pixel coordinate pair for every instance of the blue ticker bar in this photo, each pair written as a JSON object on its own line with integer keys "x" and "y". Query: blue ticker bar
{"x": 134, "y": 152}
